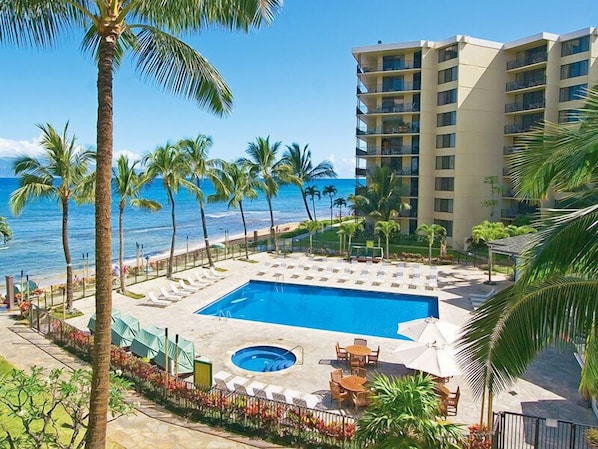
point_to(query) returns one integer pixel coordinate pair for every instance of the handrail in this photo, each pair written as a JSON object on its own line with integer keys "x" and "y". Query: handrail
{"x": 222, "y": 314}
{"x": 279, "y": 356}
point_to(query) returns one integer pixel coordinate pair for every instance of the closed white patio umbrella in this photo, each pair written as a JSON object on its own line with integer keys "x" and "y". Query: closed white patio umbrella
{"x": 431, "y": 358}
{"x": 429, "y": 330}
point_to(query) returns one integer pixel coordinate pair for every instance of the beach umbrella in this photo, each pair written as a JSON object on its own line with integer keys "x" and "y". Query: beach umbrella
{"x": 28, "y": 286}
{"x": 147, "y": 342}
{"x": 186, "y": 355}
{"x": 91, "y": 325}
{"x": 435, "y": 359}
{"x": 429, "y": 330}
{"x": 124, "y": 329}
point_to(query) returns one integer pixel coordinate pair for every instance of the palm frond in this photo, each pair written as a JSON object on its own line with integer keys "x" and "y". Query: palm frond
{"x": 29, "y": 190}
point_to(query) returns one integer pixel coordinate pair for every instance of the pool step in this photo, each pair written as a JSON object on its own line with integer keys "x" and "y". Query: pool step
{"x": 278, "y": 365}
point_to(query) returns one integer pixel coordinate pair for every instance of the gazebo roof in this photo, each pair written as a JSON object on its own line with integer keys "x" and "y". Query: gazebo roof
{"x": 512, "y": 246}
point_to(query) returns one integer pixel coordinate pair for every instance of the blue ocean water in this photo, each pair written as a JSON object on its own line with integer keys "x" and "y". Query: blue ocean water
{"x": 36, "y": 247}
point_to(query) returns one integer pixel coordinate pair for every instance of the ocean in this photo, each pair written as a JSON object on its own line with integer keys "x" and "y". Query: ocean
{"x": 36, "y": 246}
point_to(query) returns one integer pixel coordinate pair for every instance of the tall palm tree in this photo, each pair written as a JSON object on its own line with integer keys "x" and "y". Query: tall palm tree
{"x": 263, "y": 164}
{"x": 127, "y": 185}
{"x": 312, "y": 192}
{"x": 169, "y": 164}
{"x": 340, "y": 203}
{"x": 199, "y": 167}
{"x": 382, "y": 198}
{"x": 144, "y": 27}
{"x": 312, "y": 227}
{"x": 61, "y": 174}
{"x": 300, "y": 161}
{"x": 555, "y": 300}
{"x": 404, "y": 414}
{"x": 5, "y": 231}
{"x": 349, "y": 229}
{"x": 330, "y": 192}
{"x": 236, "y": 185}
{"x": 387, "y": 228}
{"x": 430, "y": 233}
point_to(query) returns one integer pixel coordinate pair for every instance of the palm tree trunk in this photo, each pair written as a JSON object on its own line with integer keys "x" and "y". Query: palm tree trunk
{"x": 172, "y": 241}
{"x": 244, "y": 230}
{"x": 272, "y": 232}
{"x": 430, "y": 254}
{"x": 331, "y": 211}
{"x": 67, "y": 254}
{"x": 313, "y": 205}
{"x": 205, "y": 234}
{"x": 305, "y": 204}
{"x": 100, "y": 384}
{"x": 121, "y": 244}
{"x": 387, "y": 248}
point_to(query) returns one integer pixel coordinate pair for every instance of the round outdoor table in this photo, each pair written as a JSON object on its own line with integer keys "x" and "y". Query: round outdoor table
{"x": 353, "y": 383}
{"x": 358, "y": 350}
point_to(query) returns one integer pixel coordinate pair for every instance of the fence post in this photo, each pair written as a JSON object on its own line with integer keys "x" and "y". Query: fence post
{"x": 537, "y": 433}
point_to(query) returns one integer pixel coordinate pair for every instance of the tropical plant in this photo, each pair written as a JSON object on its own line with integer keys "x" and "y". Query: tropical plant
{"x": 403, "y": 414}
{"x": 199, "y": 167}
{"x": 5, "y": 231}
{"x": 143, "y": 28}
{"x": 237, "y": 185}
{"x": 513, "y": 230}
{"x": 127, "y": 186}
{"x": 330, "y": 192}
{"x": 486, "y": 232}
{"x": 430, "y": 233}
{"x": 340, "y": 203}
{"x": 382, "y": 198}
{"x": 496, "y": 190}
{"x": 263, "y": 164}
{"x": 312, "y": 192}
{"x": 312, "y": 227}
{"x": 387, "y": 228}
{"x": 349, "y": 229}
{"x": 300, "y": 161}
{"x": 62, "y": 174}
{"x": 169, "y": 164}
{"x": 555, "y": 300}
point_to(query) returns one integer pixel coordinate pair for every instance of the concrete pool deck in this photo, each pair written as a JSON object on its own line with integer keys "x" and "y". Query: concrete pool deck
{"x": 548, "y": 388}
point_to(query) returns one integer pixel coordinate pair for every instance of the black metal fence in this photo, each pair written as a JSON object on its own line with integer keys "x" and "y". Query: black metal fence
{"x": 516, "y": 431}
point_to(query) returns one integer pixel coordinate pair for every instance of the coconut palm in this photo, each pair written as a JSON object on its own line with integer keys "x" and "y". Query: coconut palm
{"x": 199, "y": 167}
{"x": 382, "y": 198}
{"x": 61, "y": 174}
{"x": 349, "y": 229}
{"x": 236, "y": 185}
{"x": 403, "y": 414}
{"x": 312, "y": 227}
{"x": 312, "y": 192}
{"x": 127, "y": 185}
{"x": 330, "y": 192}
{"x": 387, "y": 228}
{"x": 143, "y": 27}
{"x": 263, "y": 164}
{"x": 169, "y": 164}
{"x": 486, "y": 232}
{"x": 340, "y": 203}
{"x": 299, "y": 159}
{"x": 555, "y": 300}
{"x": 5, "y": 231}
{"x": 430, "y": 233}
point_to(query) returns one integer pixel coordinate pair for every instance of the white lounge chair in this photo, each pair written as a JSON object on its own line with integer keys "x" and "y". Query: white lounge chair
{"x": 169, "y": 296}
{"x": 202, "y": 278}
{"x": 477, "y": 299}
{"x": 195, "y": 283}
{"x": 175, "y": 290}
{"x": 416, "y": 281}
{"x": 187, "y": 287}
{"x": 216, "y": 274}
{"x": 254, "y": 386}
{"x": 154, "y": 301}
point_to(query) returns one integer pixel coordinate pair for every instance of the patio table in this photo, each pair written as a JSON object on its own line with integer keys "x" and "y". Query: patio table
{"x": 353, "y": 383}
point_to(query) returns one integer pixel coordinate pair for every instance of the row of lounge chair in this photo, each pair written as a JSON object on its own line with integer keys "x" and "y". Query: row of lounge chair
{"x": 181, "y": 289}
{"x": 227, "y": 382}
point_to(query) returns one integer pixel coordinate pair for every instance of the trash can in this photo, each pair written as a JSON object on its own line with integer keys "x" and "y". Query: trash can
{"x": 202, "y": 372}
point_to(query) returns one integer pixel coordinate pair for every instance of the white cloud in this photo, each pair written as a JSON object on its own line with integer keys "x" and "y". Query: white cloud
{"x": 132, "y": 156}
{"x": 15, "y": 148}
{"x": 344, "y": 167}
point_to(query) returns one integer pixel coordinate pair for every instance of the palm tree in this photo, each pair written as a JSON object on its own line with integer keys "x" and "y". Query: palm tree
{"x": 200, "y": 167}
{"x": 486, "y": 232}
{"x": 387, "y": 228}
{"x": 404, "y": 414}
{"x": 263, "y": 164}
{"x": 5, "y": 231}
{"x": 169, "y": 164}
{"x": 141, "y": 27}
{"x": 236, "y": 185}
{"x": 127, "y": 185}
{"x": 330, "y": 191}
{"x": 431, "y": 233}
{"x": 350, "y": 228}
{"x": 312, "y": 192}
{"x": 299, "y": 159}
{"x": 312, "y": 227}
{"x": 382, "y": 199}
{"x": 555, "y": 300}
{"x": 61, "y": 174}
{"x": 340, "y": 203}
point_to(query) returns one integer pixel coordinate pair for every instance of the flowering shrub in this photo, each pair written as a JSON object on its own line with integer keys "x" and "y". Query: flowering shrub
{"x": 336, "y": 430}
{"x": 478, "y": 438}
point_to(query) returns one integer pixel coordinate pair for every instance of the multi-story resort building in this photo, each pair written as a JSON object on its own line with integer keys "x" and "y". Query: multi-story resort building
{"x": 446, "y": 115}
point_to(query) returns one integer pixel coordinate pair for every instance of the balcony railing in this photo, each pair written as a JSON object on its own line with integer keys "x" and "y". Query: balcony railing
{"x": 406, "y": 172}
{"x": 361, "y": 172}
{"x": 408, "y": 128}
{"x": 516, "y": 129}
{"x": 384, "y": 67}
{"x": 403, "y": 107}
{"x": 411, "y": 213}
{"x": 515, "y": 107}
{"x": 391, "y": 151}
{"x": 524, "y": 84}
{"x": 396, "y": 88}
{"x": 511, "y": 150}
{"x": 527, "y": 60}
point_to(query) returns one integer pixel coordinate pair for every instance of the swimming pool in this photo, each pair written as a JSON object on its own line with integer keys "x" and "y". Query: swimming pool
{"x": 327, "y": 308}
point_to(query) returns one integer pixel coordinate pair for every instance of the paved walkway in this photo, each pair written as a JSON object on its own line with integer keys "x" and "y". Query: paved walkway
{"x": 150, "y": 423}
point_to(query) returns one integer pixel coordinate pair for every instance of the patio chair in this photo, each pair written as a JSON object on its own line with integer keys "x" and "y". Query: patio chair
{"x": 278, "y": 397}
{"x": 169, "y": 296}
{"x": 373, "y": 357}
{"x": 221, "y": 385}
{"x": 241, "y": 389}
{"x": 215, "y": 273}
{"x": 187, "y": 287}
{"x": 254, "y": 386}
{"x": 360, "y": 399}
{"x": 337, "y": 393}
{"x": 357, "y": 361}
{"x": 360, "y": 342}
{"x": 359, "y": 372}
{"x": 260, "y": 393}
{"x": 195, "y": 283}
{"x": 201, "y": 278}
{"x": 336, "y": 375}
{"x": 153, "y": 300}
{"x": 300, "y": 402}
{"x": 310, "y": 400}
{"x": 452, "y": 402}
{"x": 341, "y": 354}
{"x": 178, "y": 293}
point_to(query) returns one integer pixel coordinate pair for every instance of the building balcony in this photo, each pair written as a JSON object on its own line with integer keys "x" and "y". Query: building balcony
{"x": 508, "y": 214}
{"x": 408, "y": 128}
{"x": 403, "y": 65}
{"x": 535, "y": 58}
{"x": 511, "y": 150}
{"x": 406, "y": 172}
{"x": 411, "y": 213}
{"x": 360, "y": 152}
{"x": 390, "y": 151}
{"x": 404, "y": 107}
{"x": 527, "y": 106}
{"x": 517, "y": 129}
{"x": 525, "y": 84}
{"x": 403, "y": 87}
{"x": 361, "y": 172}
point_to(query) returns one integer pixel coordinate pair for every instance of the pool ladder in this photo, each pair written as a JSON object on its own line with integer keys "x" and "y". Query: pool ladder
{"x": 285, "y": 353}
{"x": 224, "y": 315}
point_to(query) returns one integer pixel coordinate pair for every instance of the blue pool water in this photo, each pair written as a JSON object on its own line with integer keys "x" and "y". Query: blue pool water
{"x": 264, "y": 358}
{"x": 327, "y": 308}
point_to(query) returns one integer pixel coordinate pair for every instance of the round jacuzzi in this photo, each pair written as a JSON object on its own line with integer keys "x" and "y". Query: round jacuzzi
{"x": 264, "y": 358}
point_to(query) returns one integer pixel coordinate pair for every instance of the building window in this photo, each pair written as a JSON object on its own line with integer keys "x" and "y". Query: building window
{"x": 446, "y": 224}
{"x": 446, "y": 119}
{"x": 445, "y": 184}
{"x": 445, "y": 141}
{"x": 568, "y": 116}
{"x": 445, "y": 162}
{"x": 447, "y": 97}
{"x": 573, "y": 92}
{"x": 448, "y": 75}
{"x": 578, "y": 68}
{"x": 575, "y": 46}
{"x": 443, "y": 205}
{"x": 446, "y": 53}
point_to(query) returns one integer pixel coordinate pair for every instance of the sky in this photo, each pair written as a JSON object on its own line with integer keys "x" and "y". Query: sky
{"x": 294, "y": 81}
